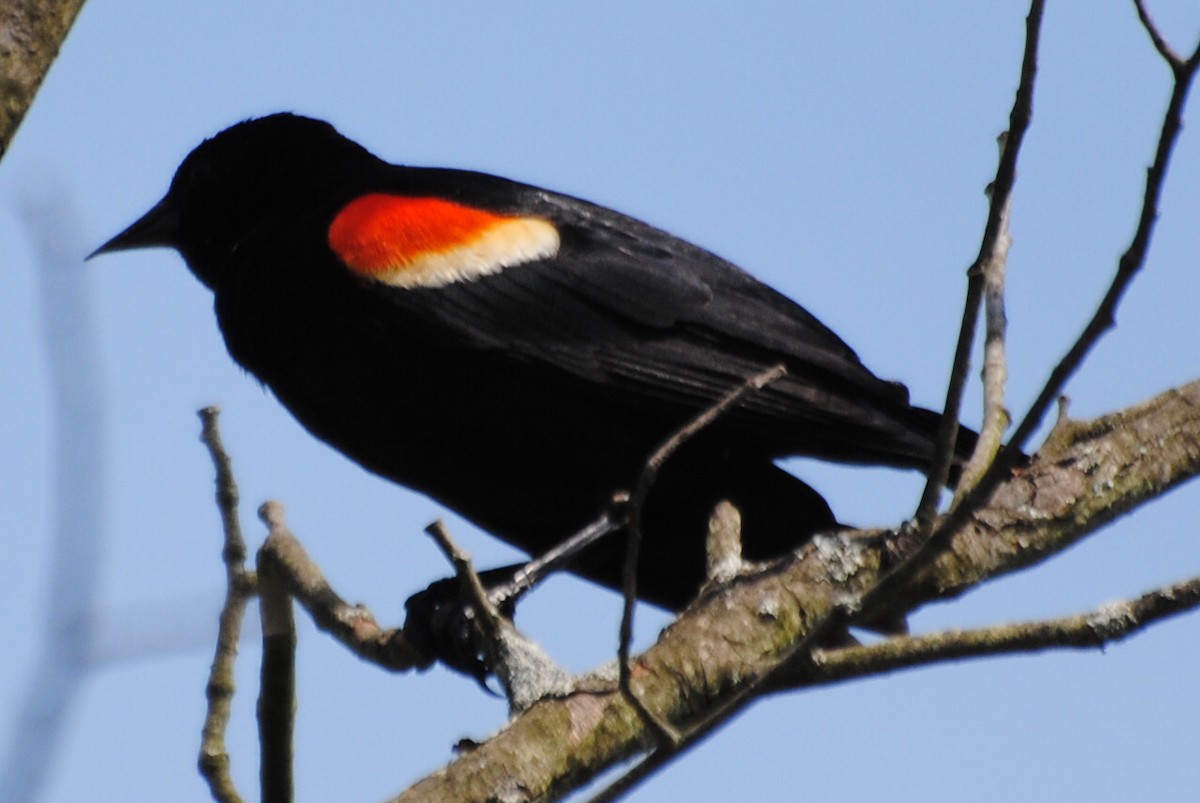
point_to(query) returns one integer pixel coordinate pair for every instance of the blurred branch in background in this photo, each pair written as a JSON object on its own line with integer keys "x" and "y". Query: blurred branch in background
{"x": 78, "y": 633}
{"x": 72, "y": 353}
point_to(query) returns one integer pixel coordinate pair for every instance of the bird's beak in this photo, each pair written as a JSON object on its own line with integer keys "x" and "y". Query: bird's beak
{"x": 158, "y": 227}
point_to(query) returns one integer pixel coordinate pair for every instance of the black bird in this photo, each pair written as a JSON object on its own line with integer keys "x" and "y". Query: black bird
{"x": 516, "y": 354}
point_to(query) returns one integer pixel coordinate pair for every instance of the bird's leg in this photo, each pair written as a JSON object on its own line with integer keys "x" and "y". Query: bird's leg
{"x": 528, "y": 575}
{"x": 441, "y": 621}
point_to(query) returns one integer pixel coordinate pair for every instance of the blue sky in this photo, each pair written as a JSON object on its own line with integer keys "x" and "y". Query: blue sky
{"x": 838, "y": 151}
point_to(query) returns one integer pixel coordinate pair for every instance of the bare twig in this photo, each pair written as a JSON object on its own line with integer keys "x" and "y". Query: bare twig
{"x": 1131, "y": 261}
{"x": 234, "y": 549}
{"x": 1105, "y": 625}
{"x": 990, "y": 252}
{"x": 277, "y": 679}
{"x": 611, "y": 519}
{"x": 1160, "y": 43}
{"x": 473, "y": 592}
{"x": 1103, "y": 319}
{"x": 352, "y": 625}
{"x": 996, "y": 418}
{"x": 239, "y": 588}
{"x": 637, "y": 500}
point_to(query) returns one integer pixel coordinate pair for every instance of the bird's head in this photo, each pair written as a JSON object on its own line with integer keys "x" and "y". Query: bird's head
{"x": 240, "y": 180}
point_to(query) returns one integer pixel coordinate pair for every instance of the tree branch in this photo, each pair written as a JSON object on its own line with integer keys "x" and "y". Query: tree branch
{"x": 1160, "y": 43}
{"x": 1130, "y": 263}
{"x": 993, "y": 250}
{"x": 34, "y": 30}
{"x": 352, "y": 625}
{"x": 996, "y": 418}
{"x": 277, "y": 675}
{"x": 1131, "y": 260}
{"x": 240, "y": 586}
{"x": 1087, "y": 474}
{"x": 1105, "y": 625}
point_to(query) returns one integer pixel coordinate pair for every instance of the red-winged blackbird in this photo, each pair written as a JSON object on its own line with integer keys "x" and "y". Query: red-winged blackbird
{"x": 517, "y": 354}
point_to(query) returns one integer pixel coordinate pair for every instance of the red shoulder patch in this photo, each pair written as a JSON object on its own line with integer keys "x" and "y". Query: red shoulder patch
{"x": 430, "y": 242}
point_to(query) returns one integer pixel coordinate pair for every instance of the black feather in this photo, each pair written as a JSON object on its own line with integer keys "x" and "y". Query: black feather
{"x": 524, "y": 398}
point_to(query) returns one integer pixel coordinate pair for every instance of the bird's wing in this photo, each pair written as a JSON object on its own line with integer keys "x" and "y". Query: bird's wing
{"x": 639, "y": 312}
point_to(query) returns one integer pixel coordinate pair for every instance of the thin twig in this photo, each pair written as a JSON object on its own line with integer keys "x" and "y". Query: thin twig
{"x": 990, "y": 246}
{"x": 1097, "y": 628}
{"x": 613, "y": 518}
{"x": 490, "y": 621}
{"x": 354, "y": 626}
{"x": 637, "y": 500}
{"x": 1132, "y": 259}
{"x": 1160, "y": 43}
{"x": 277, "y": 683}
{"x": 234, "y": 549}
{"x": 1102, "y": 320}
{"x": 996, "y": 418}
{"x": 240, "y": 586}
